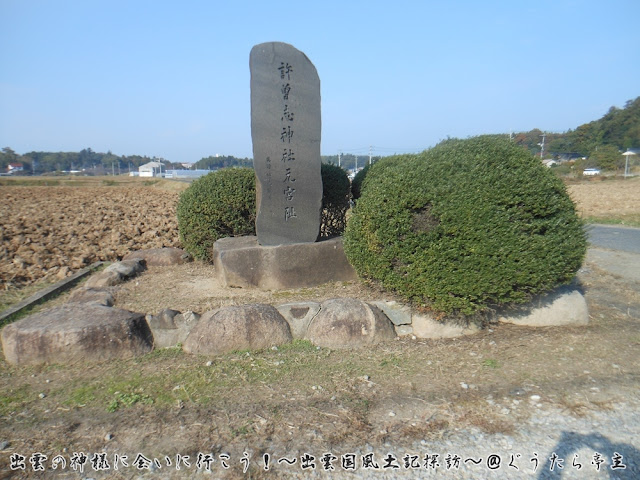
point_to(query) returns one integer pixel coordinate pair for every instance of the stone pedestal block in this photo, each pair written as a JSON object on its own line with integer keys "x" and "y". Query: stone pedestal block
{"x": 242, "y": 262}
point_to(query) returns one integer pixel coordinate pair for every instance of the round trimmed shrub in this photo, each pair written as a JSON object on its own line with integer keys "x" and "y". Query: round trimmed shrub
{"x": 220, "y": 204}
{"x": 335, "y": 200}
{"x": 466, "y": 226}
{"x": 369, "y": 174}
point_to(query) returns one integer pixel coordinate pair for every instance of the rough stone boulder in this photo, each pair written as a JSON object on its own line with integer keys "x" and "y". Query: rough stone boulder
{"x": 116, "y": 273}
{"x": 100, "y": 296}
{"x": 74, "y": 333}
{"x": 425, "y": 326}
{"x": 563, "y": 306}
{"x": 346, "y": 322}
{"x": 160, "y": 257}
{"x": 245, "y": 327}
{"x": 170, "y": 327}
{"x": 298, "y": 315}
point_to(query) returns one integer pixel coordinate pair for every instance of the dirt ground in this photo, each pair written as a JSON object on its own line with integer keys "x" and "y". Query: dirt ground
{"x": 607, "y": 199}
{"x": 49, "y": 232}
{"x": 299, "y": 398}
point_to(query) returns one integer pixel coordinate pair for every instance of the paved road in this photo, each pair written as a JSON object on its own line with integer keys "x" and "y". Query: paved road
{"x": 625, "y": 239}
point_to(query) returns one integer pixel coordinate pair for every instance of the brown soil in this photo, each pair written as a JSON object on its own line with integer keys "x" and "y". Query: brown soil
{"x": 608, "y": 199}
{"x": 52, "y": 231}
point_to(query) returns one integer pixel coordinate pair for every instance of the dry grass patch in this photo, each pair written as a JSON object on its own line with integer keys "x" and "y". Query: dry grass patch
{"x": 606, "y": 201}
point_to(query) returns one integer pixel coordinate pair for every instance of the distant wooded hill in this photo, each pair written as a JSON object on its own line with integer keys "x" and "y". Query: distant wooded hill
{"x": 618, "y": 129}
{"x": 601, "y": 140}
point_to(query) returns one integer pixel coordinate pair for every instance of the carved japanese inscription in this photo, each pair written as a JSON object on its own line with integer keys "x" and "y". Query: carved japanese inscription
{"x": 285, "y": 130}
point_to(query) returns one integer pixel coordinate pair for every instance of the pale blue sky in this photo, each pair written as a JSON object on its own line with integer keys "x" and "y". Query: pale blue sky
{"x": 171, "y": 78}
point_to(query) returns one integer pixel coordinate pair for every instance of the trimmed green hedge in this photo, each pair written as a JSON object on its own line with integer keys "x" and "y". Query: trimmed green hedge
{"x": 466, "y": 226}
{"x": 220, "y": 204}
{"x": 223, "y": 204}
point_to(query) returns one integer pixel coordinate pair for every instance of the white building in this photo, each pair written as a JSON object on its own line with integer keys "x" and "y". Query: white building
{"x": 151, "y": 169}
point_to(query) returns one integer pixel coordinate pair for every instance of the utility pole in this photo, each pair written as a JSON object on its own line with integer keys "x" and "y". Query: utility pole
{"x": 370, "y": 147}
{"x": 355, "y": 170}
{"x": 113, "y": 170}
{"x": 542, "y": 146}
{"x": 339, "y": 155}
{"x": 627, "y": 154}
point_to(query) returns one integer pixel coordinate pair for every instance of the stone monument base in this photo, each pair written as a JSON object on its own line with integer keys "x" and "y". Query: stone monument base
{"x": 242, "y": 262}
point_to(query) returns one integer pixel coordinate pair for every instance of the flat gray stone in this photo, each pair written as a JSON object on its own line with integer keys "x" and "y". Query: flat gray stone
{"x": 425, "y": 326}
{"x": 241, "y": 262}
{"x": 396, "y": 312}
{"x": 348, "y": 322}
{"x": 285, "y": 129}
{"x": 563, "y": 306}
{"x": 100, "y": 296}
{"x": 127, "y": 268}
{"x": 104, "y": 279}
{"x": 160, "y": 257}
{"x": 170, "y": 327}
{"x": 298, "y": 315}
{"x": 403, "y": 330}
{"x": 244, "y": 327}
{"x": 116, "y": 273}
{"x": 163, "y": 320}
{"x": 75, "y": 333}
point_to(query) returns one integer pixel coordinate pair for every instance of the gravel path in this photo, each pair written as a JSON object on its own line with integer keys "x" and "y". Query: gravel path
{"x": 551, "y": 444}
{"x": 577, "y": 443}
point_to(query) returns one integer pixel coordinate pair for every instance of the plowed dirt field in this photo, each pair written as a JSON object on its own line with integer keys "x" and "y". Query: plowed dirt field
{"x": 52, "y": 231}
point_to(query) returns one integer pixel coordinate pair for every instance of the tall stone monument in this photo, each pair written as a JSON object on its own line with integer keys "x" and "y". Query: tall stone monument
{"x": 285, "y": 129}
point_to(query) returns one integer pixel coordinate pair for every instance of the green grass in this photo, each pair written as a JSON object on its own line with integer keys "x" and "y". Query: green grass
{"x": 166, "y": 377}
{"x": 491, "y": 363}
{"x": 122, "y": 400}
{"x": 15, "y": 398}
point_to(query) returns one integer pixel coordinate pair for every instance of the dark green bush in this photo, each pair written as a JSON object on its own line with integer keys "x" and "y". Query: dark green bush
{"x": 335, "y": 200}
{"x": 369, "y": 174}
{"x": 466, "y": 226}
{"x": 223, "y": 204}
{"x": 220, "y": 204}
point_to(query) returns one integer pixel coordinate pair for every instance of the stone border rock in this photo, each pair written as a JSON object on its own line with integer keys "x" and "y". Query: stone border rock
{"x": 334, "y": 323}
